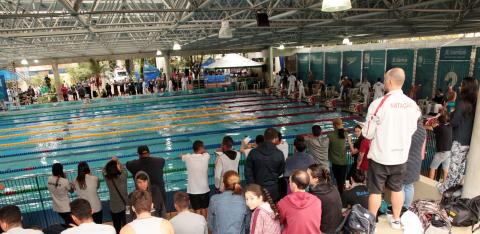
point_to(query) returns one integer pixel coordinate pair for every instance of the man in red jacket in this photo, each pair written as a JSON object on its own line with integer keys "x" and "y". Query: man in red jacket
{"x": 300, "y": 212}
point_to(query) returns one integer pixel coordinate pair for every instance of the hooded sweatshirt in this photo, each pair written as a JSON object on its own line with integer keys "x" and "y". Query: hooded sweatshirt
{"x": 331, "y": 206}
{"x": 300, "y": 213}
{"x": 265, "y": 164}
{"x": 157, "y": 198}
{"x": 226, "y": 161}
{"x": 264, "y": 221}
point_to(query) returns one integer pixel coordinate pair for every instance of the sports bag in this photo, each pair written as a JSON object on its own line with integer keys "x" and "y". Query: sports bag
{"x": 360, "y": 220}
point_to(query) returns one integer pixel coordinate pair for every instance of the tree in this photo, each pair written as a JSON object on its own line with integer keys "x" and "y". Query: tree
{"x": 80, "y": 73}
{"x": 97, "y": 68}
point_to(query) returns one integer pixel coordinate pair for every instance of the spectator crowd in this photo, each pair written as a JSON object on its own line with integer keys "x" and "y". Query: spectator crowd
{"x": 308, "y": 191}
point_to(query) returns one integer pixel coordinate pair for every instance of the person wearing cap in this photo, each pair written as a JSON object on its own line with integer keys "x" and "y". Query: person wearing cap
{"x": 153, "y": 166}
{"x": 390, "y": 124}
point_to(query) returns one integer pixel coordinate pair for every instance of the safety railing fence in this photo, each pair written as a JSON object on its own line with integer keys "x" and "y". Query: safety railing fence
{"x": 30, "y": 193}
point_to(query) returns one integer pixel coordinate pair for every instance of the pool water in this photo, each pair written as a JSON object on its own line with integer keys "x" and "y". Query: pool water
{"x": 31, "y": 142}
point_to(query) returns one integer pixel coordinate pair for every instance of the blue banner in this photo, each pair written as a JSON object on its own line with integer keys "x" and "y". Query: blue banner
{"x": 3, "y": 88}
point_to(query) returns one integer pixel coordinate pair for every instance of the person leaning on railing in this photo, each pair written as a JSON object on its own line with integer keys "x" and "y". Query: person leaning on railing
{"x": 59, "y": 187}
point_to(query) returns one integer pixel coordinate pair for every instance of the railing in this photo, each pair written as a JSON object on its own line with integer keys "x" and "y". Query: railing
{"x": 30, "y": 193}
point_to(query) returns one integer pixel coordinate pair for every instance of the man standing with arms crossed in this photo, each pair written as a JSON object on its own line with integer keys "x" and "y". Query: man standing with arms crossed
{"x": 390, "y": 124}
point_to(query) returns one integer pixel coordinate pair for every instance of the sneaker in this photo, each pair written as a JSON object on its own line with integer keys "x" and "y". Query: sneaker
{"x": 395, "y": 224}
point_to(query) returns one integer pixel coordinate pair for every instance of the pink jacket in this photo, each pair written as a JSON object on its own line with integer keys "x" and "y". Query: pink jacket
{"x": 264, "y": 222}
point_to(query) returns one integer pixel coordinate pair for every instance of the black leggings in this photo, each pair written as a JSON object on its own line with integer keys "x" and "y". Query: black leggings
{"x": 66, "y": 217}
{"x": 98, "y": 217}
{"x": 119, "y": 220}
{"x": 340, "y": 174}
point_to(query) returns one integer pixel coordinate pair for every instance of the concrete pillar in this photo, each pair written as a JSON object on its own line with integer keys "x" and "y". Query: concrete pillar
{"x": 166, "y": 65}
{"x": 470, "y": 187}
{"x": 58, "y": 83}
{"x": 270, "y": 66}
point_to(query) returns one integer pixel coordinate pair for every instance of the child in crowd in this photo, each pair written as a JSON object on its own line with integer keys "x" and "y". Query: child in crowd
{"x": 197, "y": 169}
{"x": 443, "y": 144}
{"x": 265, "y": 213}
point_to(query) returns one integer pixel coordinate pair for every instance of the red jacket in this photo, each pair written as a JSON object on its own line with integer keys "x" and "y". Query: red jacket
{"x": 300, "y": 213}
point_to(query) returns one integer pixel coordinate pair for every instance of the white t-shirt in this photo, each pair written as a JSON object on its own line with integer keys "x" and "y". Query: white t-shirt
{"x": 292, "y": 79}
{"x": 365, "y": 87}
{"x": 222, "y": 165}
{"x": 196, "y": 223}
{"x": 284, "y": 148}
{"x": 91, "y": 228}
{"x": 278, "y": 80}
{"x": 90, "y": 192}
{"x": 378, "y": 89}
{"x": 197, "y": 170}
{"x": 19, "y": 230}
{"x": 59, "y": 193}
{"x": 300, "y": 84}
{"x": 149, "y": 225}
{"x": 392, "y": 127}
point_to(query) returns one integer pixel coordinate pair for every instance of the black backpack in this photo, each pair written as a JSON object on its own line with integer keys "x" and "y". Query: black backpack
{"x": 464, "y": 212}
{"x": 451, "y": 195}
{"x": 360, "y": 220}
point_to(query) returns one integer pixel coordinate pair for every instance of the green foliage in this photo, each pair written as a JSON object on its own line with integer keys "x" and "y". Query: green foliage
{"x": 80, "y": 73}
{"x": 37, "y": 81}
{"x": 97, "y": 68}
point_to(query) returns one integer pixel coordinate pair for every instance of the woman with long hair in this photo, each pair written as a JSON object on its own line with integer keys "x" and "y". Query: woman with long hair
{"x": 116, "y": 179}
{"x": 337, "y": 154}
{"x": 321, "y": 186}
{"x": 227, "y": 212}
{"x": 59, "y": 187}
{"x": 265, "y": 214}
{"x": 461, "y": 120}
{"x": 355, "y": 149}
{"x": 86, "y": 186}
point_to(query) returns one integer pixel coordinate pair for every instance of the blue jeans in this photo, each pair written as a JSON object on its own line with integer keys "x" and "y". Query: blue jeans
{"x": 408, "y": 190}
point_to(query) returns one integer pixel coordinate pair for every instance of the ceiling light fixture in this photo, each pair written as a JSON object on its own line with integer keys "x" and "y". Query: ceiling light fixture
{"x": 35, "y": 61}
{"x": 24, "y": 62}
{"x": 281, "y": 47}
{"x": 159, "y": 52}
{"x": 225, "y": 31}
{"x": 346, "y": 41}
{"x": 336, "y": 5}
{"x": 176, "y": 46}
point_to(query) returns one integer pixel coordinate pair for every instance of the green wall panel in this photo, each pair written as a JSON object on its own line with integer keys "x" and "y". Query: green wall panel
{"x": 402, "y": 59}
{"x": 425, "y": 71}
{"x": 316, "y": 65}
{"x": 352, "y": 65}
{"x": 303, "y": 63}
{"x": 332, "y": 68}
{"x": 373, "y": 65}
